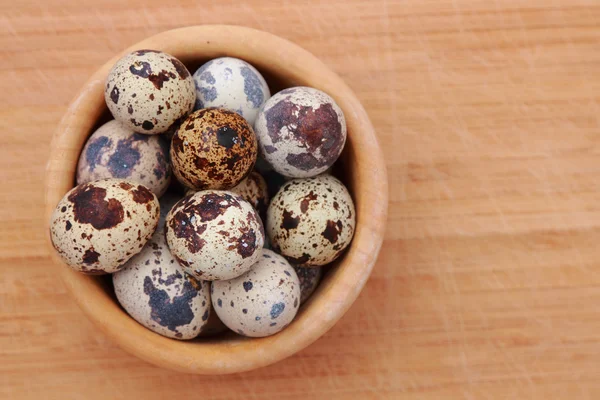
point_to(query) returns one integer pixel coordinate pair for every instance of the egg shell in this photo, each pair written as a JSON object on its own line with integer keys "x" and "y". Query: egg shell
{"x": 311, "y": 221}
{"x": 301, "y": 132}
{"x": 214, "y": 234}
{"x": 232, "y": 84}
{"x": 156, "y": 292}
{"x": 115, "y": 151}
{"x": 261, "y": 302}
{"x": 309, "y": 278}
{"x": 98, "y": 226}
{"x": 148, "y": 91}
{"x": 213, "y": 149}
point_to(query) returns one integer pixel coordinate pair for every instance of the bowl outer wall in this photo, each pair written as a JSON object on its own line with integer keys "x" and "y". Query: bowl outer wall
{"x": 367, "y": 181}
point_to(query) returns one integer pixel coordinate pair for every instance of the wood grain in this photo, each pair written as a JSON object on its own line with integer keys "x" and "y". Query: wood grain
{"x": 488, "y": 282}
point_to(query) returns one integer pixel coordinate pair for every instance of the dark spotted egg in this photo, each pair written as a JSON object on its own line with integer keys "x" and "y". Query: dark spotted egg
{"x": 214, "y": 234}
{"x": 301, "y": 132}
{"x": 98, "y": 226}
{"x": 309, "y": 280}
{"x": 156, "y": 292}
{"x": 213, "y": 149}
{"x": 261, "y": 302}
{"x": 232, "y": 84}
{"x": 115, "y": 151}
{"x": 311, "y": 221}
{"x": 148, "y": 91}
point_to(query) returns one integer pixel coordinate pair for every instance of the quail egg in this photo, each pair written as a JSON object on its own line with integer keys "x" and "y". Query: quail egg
{"x": 148, "y": 91}
{"x": 98, "y": 226}
{"x": 261, "y": 302}
{"x": 153, "y": 288}
{"x": 214, "y": 234}
{"x": 311, "y": 221}
{"x": 115, "y": 151}
{"x": 213, "y": 149}
{"x": 232, "y": 84}
{"x": 301, "y": 132}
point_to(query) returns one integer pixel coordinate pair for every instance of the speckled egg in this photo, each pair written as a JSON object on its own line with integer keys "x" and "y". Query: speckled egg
{"x": 261, "y": 302}
{"x": 148, "y": 91}
{"x": 98, "y": 226}
{"x": 213, "y": 149}
{"x": 214, "y": 234}
{"x": 301, "y": 132}
{"x": 115, "y": 151}
{"x": 309, "y": 280}
{"x": 311, "y": 221}
{"x": 232, "y": 84}
{"x": 254, "y": 190}
{"x": 153, "y": 288}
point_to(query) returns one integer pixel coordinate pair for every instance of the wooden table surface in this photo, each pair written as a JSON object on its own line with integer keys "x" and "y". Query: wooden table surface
{"x": 488, "y": 283}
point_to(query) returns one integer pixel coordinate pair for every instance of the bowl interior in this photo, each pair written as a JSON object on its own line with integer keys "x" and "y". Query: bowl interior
{"x": 360, "y": 167}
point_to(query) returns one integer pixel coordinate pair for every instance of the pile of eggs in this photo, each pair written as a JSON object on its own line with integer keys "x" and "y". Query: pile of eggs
{"x": 191, "y": 256}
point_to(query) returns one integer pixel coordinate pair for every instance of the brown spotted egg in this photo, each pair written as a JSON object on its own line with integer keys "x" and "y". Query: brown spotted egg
{"x": 213, "y": 149}
{"x": 115, "y": 151}
{"x": 98, "y": 226}
{"x": 232, "y": 84}
{"x": 301, "y": 132}
{"x": 309, "y": 280}
{"x": 261, "y": 302}
{"x": 311, "y": 221}
{"x": 148, "y": 91}
{"x": 156, "y": 292}
{"x": 214, "y": 234}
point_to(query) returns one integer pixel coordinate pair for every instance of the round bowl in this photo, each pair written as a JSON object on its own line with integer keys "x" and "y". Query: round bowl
{"x": 361, "y": 167}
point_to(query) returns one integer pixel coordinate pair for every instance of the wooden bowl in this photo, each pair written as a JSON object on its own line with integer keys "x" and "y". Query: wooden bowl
{"x": 363, "y": 170}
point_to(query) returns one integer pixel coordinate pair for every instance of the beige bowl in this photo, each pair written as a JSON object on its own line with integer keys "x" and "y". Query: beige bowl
{"x": 363, "y": 170}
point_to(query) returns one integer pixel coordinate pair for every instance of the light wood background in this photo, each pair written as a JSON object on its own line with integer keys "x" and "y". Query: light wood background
{"x": 488, "y": 283}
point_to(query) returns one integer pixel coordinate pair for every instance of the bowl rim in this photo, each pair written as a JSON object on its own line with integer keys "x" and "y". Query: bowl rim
{"x": 323, "y": 311}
